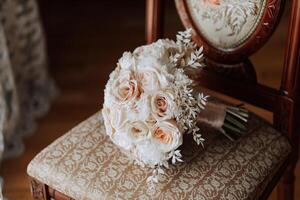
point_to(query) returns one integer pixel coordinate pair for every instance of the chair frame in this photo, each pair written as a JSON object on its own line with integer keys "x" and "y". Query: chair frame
{"x": 284, "y": 103}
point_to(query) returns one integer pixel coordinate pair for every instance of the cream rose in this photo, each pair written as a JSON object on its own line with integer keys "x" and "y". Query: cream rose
{"x": 118, "y": 117}
{"x": 167, "y": 136}
{"x": 151, "y": 79}
{"x": 147, "y": 152}
{"x": 107, "y": 123}
{"x": 114, "y": 119}
{"x": 125, "y": 88}
{"x": 122, "y": 139}
{"x": 127, "y": 61}
{"x": 131, "y": 134}
{"x": 142, "y": 111}
{"x": 138, "y": 131}
{"x": 163, "y": 105}
{"x": 155, "y": 54}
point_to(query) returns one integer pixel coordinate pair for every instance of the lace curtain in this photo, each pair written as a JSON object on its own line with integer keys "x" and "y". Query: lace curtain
{"x": 25, "y": 87}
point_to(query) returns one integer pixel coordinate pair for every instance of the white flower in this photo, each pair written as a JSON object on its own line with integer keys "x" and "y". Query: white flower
{"x": 118, "y": 117}
{"x": 151, "y": 79}
{"x": 114, "y": 119}
{"x": 155, "y": 54}
{"x": 142, "y": 109}
{"x": 148, "y": 152}
{"x": 167, "y": 136}
{"x": 107, "y": 123}
{"x": 127, "y": 61}
{"x": 124, "y": 89}
{"x": 138, "y": 131}
{"x": 122, "y": 139}
{"x": 163, "y": 105}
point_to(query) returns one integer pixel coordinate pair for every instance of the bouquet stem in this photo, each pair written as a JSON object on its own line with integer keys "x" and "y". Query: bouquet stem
{"x": 230, "y": 120}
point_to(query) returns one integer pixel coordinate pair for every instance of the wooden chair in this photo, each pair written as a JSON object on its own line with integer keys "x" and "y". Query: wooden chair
{"x": 83, "y": 164}
{"x": 240, "y": 77}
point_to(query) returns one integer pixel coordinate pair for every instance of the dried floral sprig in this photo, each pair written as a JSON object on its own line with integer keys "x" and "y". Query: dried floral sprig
{"x": 196, "y": 59}
{"x": 184, "y": 38}
{"x": 188, "y": 56}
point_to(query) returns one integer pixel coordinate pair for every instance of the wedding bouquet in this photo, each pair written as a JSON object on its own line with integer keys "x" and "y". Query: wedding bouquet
{"x": 149, "y": 102}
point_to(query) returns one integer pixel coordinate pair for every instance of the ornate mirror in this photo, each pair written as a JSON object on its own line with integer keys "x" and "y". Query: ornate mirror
{"x": 230, "y": 30}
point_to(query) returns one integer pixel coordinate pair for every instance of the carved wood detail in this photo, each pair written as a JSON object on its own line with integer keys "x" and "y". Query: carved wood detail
{"x": 38, "y": 190}
{"x": 265, "y": 28}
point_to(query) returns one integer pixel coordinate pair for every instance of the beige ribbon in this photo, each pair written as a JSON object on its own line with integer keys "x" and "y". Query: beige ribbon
{"x": 213, "y": 115}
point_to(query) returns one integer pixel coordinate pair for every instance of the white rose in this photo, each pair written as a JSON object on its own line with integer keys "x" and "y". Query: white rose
{"x": 130, "y": 134}
{"x": 142, "y": 109}
{"x": 127, "y": 61}
{"x": 122, "y": 139}
{"x": 118, "y": 117}
{"x": 124, "y": 89}
{"x": 163, "y": 105}
{"x": 148, "y": 153}
{"x": 107, "y": 123}
{"x": 114, "y": 119}
{"x": 167, "y": 136}
{"x": 155, "y": 54}
{"x": 151, "y": 79}
{"x": 138, "y": 131}
{"x": 148, "y": 56}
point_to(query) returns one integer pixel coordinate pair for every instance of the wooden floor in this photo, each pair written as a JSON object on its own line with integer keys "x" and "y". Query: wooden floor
{"x": 84, "y": 43}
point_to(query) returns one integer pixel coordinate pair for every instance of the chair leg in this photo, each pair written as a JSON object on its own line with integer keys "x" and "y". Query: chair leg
{"x": 38, "y": 190}
{"x": 285, "y": 188}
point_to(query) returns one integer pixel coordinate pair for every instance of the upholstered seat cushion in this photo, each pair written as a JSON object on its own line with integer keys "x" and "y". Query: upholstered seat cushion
{"x": 84, "y": 164}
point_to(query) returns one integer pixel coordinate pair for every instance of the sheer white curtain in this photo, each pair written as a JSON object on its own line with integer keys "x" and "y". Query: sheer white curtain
{"x": 25, "y": 87}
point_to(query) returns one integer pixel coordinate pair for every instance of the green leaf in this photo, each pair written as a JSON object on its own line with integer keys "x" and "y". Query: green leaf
{"x": 231, "y": 128}
{"x": 237, "y": 115}
{"x": 236, "y": 122}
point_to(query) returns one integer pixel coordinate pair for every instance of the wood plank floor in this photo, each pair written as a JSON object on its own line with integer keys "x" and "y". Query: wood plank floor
{"x": 84, "y": 43}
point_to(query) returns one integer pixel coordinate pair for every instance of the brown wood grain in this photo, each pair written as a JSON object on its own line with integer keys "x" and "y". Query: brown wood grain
{"x": 284, "y": 103}
{"x": 83, "y": 50}
{"x": 154, "y": 27}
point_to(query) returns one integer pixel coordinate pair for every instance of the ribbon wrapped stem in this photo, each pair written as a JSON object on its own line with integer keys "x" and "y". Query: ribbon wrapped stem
{"x": 231, "y": 121}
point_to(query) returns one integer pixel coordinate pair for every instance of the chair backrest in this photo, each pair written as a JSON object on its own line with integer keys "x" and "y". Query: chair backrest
{"x": 230, "y": 32}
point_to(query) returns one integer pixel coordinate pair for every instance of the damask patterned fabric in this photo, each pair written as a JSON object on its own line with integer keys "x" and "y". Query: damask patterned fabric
{"x": 25, "y": 88}
{"x": 85, "y": 164}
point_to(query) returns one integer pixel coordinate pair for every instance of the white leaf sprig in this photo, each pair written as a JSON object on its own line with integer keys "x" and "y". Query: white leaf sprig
{"x": 175, "y": 156}
{"x": 184, "y": 38}
{"x": 202, "y": 100}
{"x": 198, "y": 137}
{"x": 196, "y": 59}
